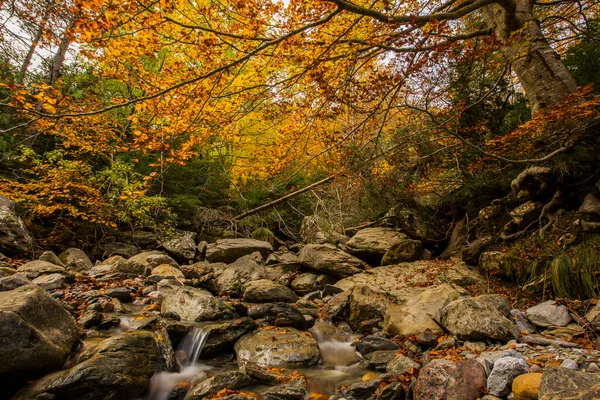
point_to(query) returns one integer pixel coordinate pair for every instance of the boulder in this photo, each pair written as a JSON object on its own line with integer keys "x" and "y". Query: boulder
{"x": 50, "y": 257}
{"x": 36, "y": 268}
{"x": 36, "y": 332}
{"x": 12, "y": 282}
{"x": 14, "y": 238}
{"x": 165, "y": 271}
{"x": 367, "y": 304}
{"x": 505, "y": 370}
{"x": 280, "y": 347}
{"x": 527, "y": 386}
{"x": 401, "y": 365}
{"x": 443, "y": 379}
{"x": 532, "y": 180}
{"x": 233, "y": 277}
{"x": 404, "y": 250}
{"x": 417, "y": 221}
{"x": 361, "y": 390}
{"x": 304, "y": 283}
{"x": 282, "y": 257}
{"x": 229, "y": 250}
{"x": 280, "y": 314}
{"x": 330, "y": 260}
{"x": 296, "y": 389}
{"x": 471, "y": 252}
{"x": 117, "y": 368}
{"x": 591, "y": 207}
{"x": 193, "y": 304}
{"x": 266, "y": 291}
{"x": 143, "y": 263}
{"x": 525, "y": 214}
{"x": 370, "y": 244}
{"x": 413, "y": 317}
{"x": 75, "y": 260}
{"x": 225, "y": 380}
{"x": 525, "y": 327}
{"x": 506, "y": 265}
{"x": 119, "y": 249}
{"x": 51, "y": 281}
{"x": 567, "y": 384}
{"x": 223, "y": 335}
{"x": 371, "y": 343}
{"x": 479, "y": 318}
{"x": 548, "y": 314}
{"x": 379, "y": 359}
{"x": 181, "y": 245}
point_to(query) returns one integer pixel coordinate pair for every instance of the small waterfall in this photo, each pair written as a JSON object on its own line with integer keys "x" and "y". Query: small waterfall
{"x": 336, "y": 347}
{"x": 187, "y": 355}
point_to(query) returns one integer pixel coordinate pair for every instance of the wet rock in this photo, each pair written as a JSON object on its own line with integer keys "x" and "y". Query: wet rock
{"x": 266, "y": 291}
{"x": 181, "y": 245}
{"x": 367, "y": 304}
{"x": 36, "y": 268}
{"x": 223, "y": 335}
{"x": 225, "y": 380}
{"x": 75, "y": 260}
{"x": 479, "y": 318}
{"x": 233, "y": 277}
{"x": 229, "y": 250}
{"x": 330, "y": 260}
{"x": 36, "y": 332}
{"x": 392, "y": 391}
{"x": 443, "y": 379}
{"x": 405, "y": 250}
{"x": 548, "y": 314}
{"x": 566, "y": 384}
{"x": 370, "y": 244}
{"x": 285, "y": 347}
{"x": 12, "y": 282}
{"x": 280, "y": 314}
{"x": 166, "y": 355}
{"x": 144, "y": 263}
{"x": 378, "y": 360}
{"x": 50, "y": 257}
{"x": 505, "y": 370}
{"x": 194, "y": 305}
{"x": 14, "y": 238}
{"x": 90, "y": 319}
{"x": 361, "y": 390}
{"x": 117, "y": 368}
{"x": 413, "y": 317}
{"x": 296, "y": 389}
{"x": 527, "y": 386}
{"x": 401, "y": 365}
{"x": 371, "y": 343}
{"x": 304, "y": 283}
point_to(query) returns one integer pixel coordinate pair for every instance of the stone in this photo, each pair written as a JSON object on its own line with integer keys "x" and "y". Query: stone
{"x": 281, "y": 347}
{"x": 532, "y": 180}
{"x": 304, "y": 283}
{"x": 567, "y": 384}
{"x": 569, "y": 363}
{"x": 401, "y": 365}
{"x": 75, "y": 260}
{"x": 282, "y": 257}
{"x": 51, "y": 281}
{"x": 378, "y": 360}
{"x": 36, "y": 332}
{"x": 35, "y": 268}
{"x": 505, "y": 370}
{"x": 367, "y": 304}
{"x": 548, "y": 314}
{"x": 527, "y": 386}
{"x": 50, "y": 257}
{"x": 315, "y": 230}
{"x": 479, "y": 318}
{"x": 370, "y": 244}
{"x": 296, "y": 389}
{"x": 443, "y": 379}
{"x": 223, "y": 335}
{"x": 471, "y": 252}
{"x": 280, "y": 314}
{"x": 119, "y": 249}
{"x": 229, "y": 250}
{"x": 413, "y": 317}
{"x": 117, "y": 368}
{"x": 12, "y": 282}
{"x": 405, "y": 250}
{"x": 591, "y": 206}
{"x": 181, "y": 245}
{"x": 526, "y": 213}
{"x": 122, "y": 293}
{"x": 14, "y": 238}
{"x": 330, "y": 260}
{"x": 419, "y": 222}
{"x": 233, "y": 277}
{"x": 505, "y": 265}
{"x": 144, "y": 263}
{"x": 539, "y": 340}
{"x": 361, "y": 390}
{"x": 225, "y": 380}
{"x": 337, "y": 306}
{"x": 525, "y": 327}
{"x": 371, "y": 343}
{"x": 194, "y": 304}
{"x": 165, "y": 271}
{"x": 392, "y": 391}
{"x": 266, "y": 291}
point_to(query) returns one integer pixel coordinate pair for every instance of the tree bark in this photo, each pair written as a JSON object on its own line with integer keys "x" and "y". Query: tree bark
{"x": 540, "y": 70}
{"x": 59, "y": 56}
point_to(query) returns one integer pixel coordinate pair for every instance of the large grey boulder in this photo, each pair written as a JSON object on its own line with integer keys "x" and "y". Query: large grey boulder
{"x": 266, "y": 291}
{"x": 119, "y": 249}
{"x": 567, "y": 384}
{"x": 548, "y": 314}
{"x": 505, "y": 370}
{"x": 232, "y": 278}
{"x": 222, "y": 335}
{"x": 401, "y": 365}
{"x": 367, "y": 304}
{"x": 405, "y": 250}
{"x": 14, "y": 238}
{"x": 51, "y": 282}
{"x": 229, "y": 250}
{"x": 12, "y": 282}
{"x": 51, "y": 257}
{"x": 36, "y": 332}
{"x": 117, "y": 368}
{"x": 370, "y": 244}
{"x": 144, "y": 263}
{"x": 330, "y": 260}
{"x": 414, "y": 316}
{"x": 480, "y": 317}
{"x": 280, "y": 347}
{"x": 181, "y": 245}
{"x": 75, "y": 260}
{"x": 193, "y": 304}
{"x": 443, "y": 379}
{"x": 36, "y": 268}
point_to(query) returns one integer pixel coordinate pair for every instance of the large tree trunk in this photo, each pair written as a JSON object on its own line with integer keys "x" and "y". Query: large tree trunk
{"x": 61, "y": 53}
{"x": 539, "y": 68}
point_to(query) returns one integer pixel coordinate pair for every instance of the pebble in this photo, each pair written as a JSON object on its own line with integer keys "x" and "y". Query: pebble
{"x": 593, "y": 367}
{"x": 568, "y": 363}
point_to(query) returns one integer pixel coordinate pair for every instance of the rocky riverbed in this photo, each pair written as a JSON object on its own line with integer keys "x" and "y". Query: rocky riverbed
{"x": 236, "y": 319}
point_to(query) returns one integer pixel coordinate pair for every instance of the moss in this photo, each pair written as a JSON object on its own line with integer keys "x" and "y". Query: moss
{"x": 574, "y": 273}
{"x": 266, "y": 235}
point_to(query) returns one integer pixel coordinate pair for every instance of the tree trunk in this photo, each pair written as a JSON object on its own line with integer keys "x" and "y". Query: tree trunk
{"x": 59, "y": 57}
{"x": 539, "y": 68}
